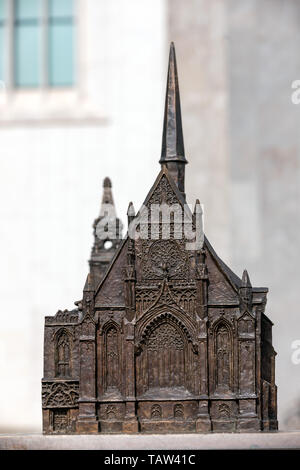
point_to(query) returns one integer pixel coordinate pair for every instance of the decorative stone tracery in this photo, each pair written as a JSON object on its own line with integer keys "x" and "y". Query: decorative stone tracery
{"x": 60, "y": 394}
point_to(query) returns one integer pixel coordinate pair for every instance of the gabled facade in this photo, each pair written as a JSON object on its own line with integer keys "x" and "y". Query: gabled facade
{"x": 166, "y": 337}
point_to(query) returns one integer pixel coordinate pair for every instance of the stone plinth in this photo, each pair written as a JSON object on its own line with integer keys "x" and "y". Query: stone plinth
{"x": 280, "y": 440}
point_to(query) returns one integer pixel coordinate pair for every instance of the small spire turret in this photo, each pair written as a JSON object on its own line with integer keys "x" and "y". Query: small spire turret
{"x": 107, "y": 234}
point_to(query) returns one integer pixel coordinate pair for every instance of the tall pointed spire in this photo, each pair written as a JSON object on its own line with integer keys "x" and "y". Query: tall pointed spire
{"x": 172, "y": 151}
{"x": 172, "y": 141}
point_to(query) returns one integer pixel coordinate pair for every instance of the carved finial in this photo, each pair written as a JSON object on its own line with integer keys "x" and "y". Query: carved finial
{"x": 197, "y": 208}
{"x": 107, "y": 183}
{"x": 245, "y": 279}
{"x": 246, "y": 291}
{"x": 130, "y": 212}
{"x": 198, "y": 225}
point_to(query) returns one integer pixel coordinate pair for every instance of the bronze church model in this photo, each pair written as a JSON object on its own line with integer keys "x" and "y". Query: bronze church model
{"x": 166, "y": 337}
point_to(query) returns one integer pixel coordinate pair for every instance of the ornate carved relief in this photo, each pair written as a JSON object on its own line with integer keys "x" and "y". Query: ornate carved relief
{"x": 166, "y": 359}
{"x": 144, "y": 299}
{"x": 156, "y": 412}
{"x": 165, "y": 337}
{"x": 182, "y": 297}
{"x": 178, "y": 411}
{"x": 110, "y": 412}
{"x": 165, "y": 354}
{"x": 186, "y": 299}
{"x": 60, "y": 420}
{"x": 163, "y": 193}
{"x": 154, "y": 319}
{"x": 164, "y": 258}
{"x": 60, "y": 394}
{"x": 224, "y": 410}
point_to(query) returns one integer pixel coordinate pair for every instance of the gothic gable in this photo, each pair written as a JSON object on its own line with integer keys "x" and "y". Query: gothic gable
{"x": 164, "y": 190}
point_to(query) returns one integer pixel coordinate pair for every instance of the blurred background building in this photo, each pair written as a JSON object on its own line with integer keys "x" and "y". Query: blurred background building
{"x": 82, "y": 87}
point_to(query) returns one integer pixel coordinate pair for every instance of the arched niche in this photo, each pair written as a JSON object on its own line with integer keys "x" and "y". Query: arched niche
{"x": 111, "y": 363}
{"x": 222, "y": 357}
{"x": 63, "y": 353}
{"x": 165, "y": 360}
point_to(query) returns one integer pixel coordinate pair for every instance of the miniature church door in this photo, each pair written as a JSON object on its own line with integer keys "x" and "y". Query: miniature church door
{"x": 163, "y": 362}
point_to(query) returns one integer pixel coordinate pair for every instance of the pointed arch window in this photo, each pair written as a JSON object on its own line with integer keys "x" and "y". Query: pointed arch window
{"x": 63, "y": 354}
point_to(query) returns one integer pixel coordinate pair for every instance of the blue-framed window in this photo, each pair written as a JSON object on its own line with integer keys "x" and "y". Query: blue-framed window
{"x": 27, "y": 43}
{"x": 41, "y": 41}
{"x": 60, "y": 43}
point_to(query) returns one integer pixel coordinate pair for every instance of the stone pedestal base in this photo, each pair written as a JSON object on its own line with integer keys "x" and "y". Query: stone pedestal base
{"x": 110, "y": 442}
